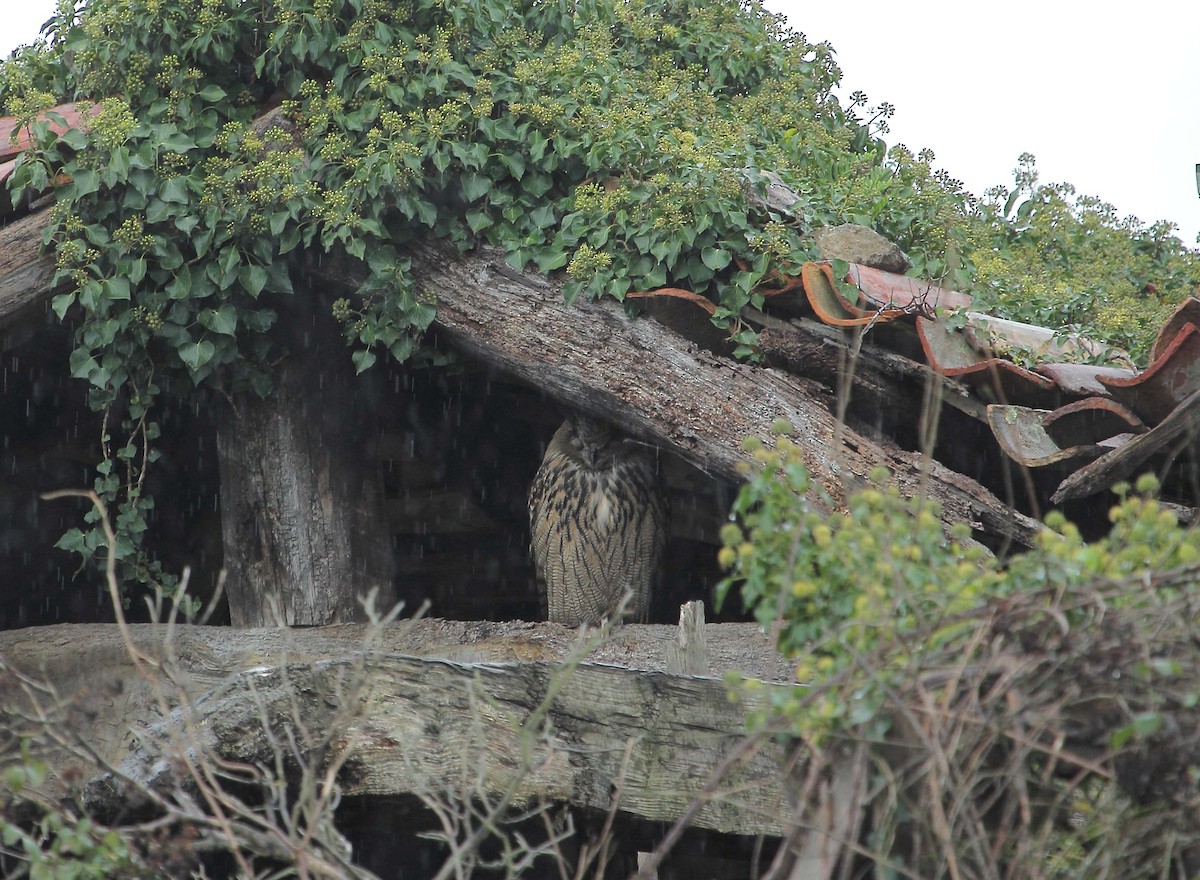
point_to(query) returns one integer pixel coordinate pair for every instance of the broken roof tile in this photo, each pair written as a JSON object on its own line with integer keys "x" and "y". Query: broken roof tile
{"x": 951, "y": 354}
{"x": 1187, "y": 313}
{"x": 1173, "y": 376}
{"x": 891, "y": 291}
{"x": 1091, "y": 420}
{"x": 829, "y": 303}
{"x": 1083, "y": 379}
{"x": 1040, "y": 343}
{"x": 1022, "y": 434}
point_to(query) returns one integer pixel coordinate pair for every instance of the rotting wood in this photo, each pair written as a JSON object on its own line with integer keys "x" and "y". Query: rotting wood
{"x": 25, "y": 275}
{"x": 430, "y": 720}
{"x": 302, "y": 513}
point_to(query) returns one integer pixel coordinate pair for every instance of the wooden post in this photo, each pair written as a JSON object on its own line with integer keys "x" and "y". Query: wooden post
{"x": 302, "y": 515}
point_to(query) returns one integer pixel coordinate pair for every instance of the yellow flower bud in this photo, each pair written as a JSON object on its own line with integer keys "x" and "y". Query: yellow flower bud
{"x": 802, "y": 589}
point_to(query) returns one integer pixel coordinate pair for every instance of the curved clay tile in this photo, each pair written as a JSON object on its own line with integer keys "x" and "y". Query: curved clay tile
{"x": 887, "y": 290}
{"x": 1083, "y": 380}
{"x": 1187, "y": 313}
{"x": 1022, "y": 435}
{"x": 1172, "y": 377}
{"x": 829, "y": 303}
{"x": 950, "y": 353}
{"x": 1091, "y": 420}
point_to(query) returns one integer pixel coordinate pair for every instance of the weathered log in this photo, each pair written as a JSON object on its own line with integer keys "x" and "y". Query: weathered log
{"x": 642, "y": 376}
{"x": 429, "y": 723}
{"x": 25, "y": 275}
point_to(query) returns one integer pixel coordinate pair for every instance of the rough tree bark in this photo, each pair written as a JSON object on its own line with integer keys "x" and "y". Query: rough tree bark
{"x": 302, "y": 517}
{"x": 25, "y": 275}
{"x": 430, "y": 723}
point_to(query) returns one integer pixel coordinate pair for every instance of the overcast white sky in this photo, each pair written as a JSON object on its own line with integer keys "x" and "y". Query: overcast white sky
{"x": 1107, "y": 98}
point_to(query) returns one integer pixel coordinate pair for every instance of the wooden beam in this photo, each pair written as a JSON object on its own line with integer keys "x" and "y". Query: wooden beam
{"x": 441, "y": 704}
{"x": 652, "y": 382}
{"x": 25, "y": 274}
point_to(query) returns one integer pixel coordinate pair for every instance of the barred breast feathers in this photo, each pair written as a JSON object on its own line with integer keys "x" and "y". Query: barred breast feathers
{"x": 598, "y": 524}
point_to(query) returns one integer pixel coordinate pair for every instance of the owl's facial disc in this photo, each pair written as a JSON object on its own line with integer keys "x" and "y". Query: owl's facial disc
{"x": 592, "y": 439}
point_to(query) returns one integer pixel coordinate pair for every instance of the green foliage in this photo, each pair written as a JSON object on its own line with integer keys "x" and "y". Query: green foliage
{"x": 1048, "y": 257}
{"x": 613, "y": 141}
{"x": 836, "y": 589}
{"x": 884, "y": 581}
{"x": 62, "y": 846}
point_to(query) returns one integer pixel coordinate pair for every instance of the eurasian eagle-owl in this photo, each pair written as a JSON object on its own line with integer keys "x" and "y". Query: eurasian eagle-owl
{"x": 598, "y": 523}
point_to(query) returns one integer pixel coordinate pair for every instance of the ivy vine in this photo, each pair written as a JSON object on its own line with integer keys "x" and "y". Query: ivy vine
{"x": 616, "y": 142}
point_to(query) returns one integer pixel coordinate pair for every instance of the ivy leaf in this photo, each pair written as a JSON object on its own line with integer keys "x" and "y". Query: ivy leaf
{"x": 158, "y": 211}
{"x": 515, "y": 163}
{"x": 715, "y": 258}
{"x": 175, "y": 190}
{"x": 289, "y": 239}
{"x": 178, "y": 142}
{"x": 81, "y": 363}
{"x": 474, "y": 185}
{"x": 116, "y": 288}
{"x": 548, "y": 262}
{"x": 196, "y": 354}
{"x": 84, "y": 182}
{"x": 537, "y": 146}
{"x": 542, "y": 217}
{"x": 478, "y": 220}
{"x": 223, "y": 320}
{"x": 61, "y": 303}
{"x": 118, "y": 166}
{"x": 73, "y": 138}
{"x": 655, "y": 278}
{"x": 212, "y": 93}
{"x": 180, "y": 287}
{"x": 72, "y": 540}
{"x": 402, "y": 348}
{"x": 253, "y": 278}
{"x": 363, "y": 359}
{"x": 421, "y": 315}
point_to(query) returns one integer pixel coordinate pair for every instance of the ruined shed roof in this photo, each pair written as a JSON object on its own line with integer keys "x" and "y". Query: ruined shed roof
{"x": 1098, "y": 424}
